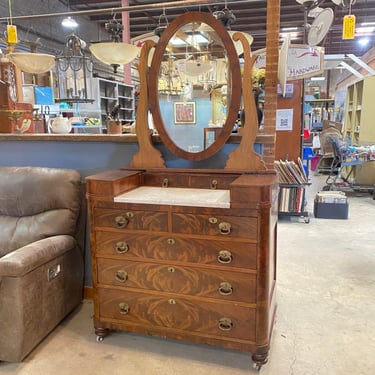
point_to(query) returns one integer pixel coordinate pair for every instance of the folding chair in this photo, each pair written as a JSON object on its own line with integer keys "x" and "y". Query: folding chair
{"x": 341, "y": 159}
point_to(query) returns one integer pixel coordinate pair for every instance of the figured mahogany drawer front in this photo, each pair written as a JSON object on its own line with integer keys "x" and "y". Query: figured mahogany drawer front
{"x": 202, "y": 317}
{"x": 131, "y": 219}
{"x": 175, "y": 248}
{"x": 225, "y": 285}
{"x": 215, "y": 225}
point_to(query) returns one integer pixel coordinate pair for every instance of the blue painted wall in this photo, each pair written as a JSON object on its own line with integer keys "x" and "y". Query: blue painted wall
{"x": 89, "y": 158}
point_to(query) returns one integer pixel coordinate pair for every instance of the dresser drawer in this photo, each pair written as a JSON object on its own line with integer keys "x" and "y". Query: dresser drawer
{"x": 215, "y": 225}
{"x": 227, "y": 253}
{"x": 131, "y": 219}
{"x": 225, "y": 285}
{"x": 176, "y": 312}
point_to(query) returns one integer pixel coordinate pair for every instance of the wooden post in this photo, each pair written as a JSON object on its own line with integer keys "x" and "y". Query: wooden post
{"x": 270, "y": 105}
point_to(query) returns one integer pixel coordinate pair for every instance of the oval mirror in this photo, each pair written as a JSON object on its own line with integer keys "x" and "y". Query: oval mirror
{"x": 195, "y": 86}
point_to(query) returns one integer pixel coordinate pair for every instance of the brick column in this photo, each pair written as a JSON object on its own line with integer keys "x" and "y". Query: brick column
{"x": 272, "y": 48}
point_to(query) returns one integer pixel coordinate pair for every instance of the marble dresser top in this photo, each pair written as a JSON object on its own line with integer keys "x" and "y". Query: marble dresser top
{"x": 176, "y": 197}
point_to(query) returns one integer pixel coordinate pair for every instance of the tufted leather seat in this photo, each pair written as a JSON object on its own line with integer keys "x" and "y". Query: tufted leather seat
{"x": 41, "y": 254}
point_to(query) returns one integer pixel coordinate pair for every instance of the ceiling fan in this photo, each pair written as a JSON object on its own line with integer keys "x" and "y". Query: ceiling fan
{"x": 319, "y": 28}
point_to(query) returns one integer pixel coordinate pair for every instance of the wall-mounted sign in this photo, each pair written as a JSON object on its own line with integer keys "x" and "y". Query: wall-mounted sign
{"x": 302, "y": 61}
{"x": 287, "y": 92}
{"x": 284, "y": 119}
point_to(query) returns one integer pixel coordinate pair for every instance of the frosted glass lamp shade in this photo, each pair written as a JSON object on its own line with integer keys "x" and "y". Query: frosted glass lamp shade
{"x": 196, "y": 68}
{"x": 112, "y": 53}
{"x": 34, "y": 63}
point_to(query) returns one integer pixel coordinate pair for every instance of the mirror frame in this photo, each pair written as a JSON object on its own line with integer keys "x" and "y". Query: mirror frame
{"x": 235, "y": 91}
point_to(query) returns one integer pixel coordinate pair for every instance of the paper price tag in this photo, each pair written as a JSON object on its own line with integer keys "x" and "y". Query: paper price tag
{"x": 348, "y": 27}
{"x": 12, "y": 34}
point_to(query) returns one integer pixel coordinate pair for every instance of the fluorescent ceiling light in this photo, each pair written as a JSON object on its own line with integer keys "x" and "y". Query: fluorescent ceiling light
{"x": 365, "y": 30}
{"x": 69, "y": 22}
{"x": 289, "y": 35}
{"x": 288, "y": 29}
{"x": 334, "y": 57}
{"x": 317, "y": 78}
{"x": 363, "y": 41}
{"x": 195, "y": 39}
{"x": 368, "y": 24}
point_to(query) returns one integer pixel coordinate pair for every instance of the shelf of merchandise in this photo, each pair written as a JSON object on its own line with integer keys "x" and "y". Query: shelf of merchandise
{"x": 318, "y": 110}
{"x": 108, "y": 94}
{"x": 292, "y": 195}
{"x": 292, "y": 201}
{"x": 359, "y": 124}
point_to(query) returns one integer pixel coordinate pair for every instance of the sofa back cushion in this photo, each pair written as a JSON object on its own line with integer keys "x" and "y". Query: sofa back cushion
{"x": 36, "y": 203}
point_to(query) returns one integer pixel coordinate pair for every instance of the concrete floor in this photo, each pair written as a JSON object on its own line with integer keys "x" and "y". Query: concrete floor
{"x": 325, "y": 320}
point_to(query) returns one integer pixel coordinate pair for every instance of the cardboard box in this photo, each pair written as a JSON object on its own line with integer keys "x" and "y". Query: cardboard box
{"x": 331, "y": 210}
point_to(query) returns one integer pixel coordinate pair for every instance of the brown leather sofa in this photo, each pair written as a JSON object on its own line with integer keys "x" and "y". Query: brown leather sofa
{"x": 41, "y": 254}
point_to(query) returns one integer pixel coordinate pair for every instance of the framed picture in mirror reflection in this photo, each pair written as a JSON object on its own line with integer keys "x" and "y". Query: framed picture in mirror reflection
{"x": 184, "y": 113}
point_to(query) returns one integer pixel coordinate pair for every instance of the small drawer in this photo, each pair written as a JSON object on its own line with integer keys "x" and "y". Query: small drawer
{"x": 215, "y": 225}
{"x": 131, "y": 219}
{"x": 218, "y": 284}
{"x": 178, "y": 312}
{"x": 226, "y": 253}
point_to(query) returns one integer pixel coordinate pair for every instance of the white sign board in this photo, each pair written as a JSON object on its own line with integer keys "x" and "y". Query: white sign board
{"x": 284, "y": 119}
{"x": 303, "y": 61}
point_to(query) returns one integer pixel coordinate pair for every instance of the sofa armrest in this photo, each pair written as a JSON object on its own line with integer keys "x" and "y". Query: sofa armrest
{"x": 29, "y": 257}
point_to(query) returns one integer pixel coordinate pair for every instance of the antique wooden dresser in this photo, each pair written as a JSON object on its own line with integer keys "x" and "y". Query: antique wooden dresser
{"x": 188, "y": 254}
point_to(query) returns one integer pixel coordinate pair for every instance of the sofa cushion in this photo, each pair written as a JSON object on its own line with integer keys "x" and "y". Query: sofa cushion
{"x": 37, "y": 203}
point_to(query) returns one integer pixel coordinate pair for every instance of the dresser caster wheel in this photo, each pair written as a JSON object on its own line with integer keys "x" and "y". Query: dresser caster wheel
{"x": 257, "y": 366}
{"x": 99, "y": 338}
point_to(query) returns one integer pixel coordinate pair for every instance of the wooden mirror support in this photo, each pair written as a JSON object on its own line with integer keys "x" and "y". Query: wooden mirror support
{"x": 244, "y": 157}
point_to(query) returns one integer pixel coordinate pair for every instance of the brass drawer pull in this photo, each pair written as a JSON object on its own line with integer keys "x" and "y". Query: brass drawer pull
{"x": 121, "y": 276}
{"x": 224, "y": 257}
{"x": 121, "y": 221}
{"x": 212, "y": 220}
{"x": 123, "y": 308}
{"x": 121, "y": 247}
{"x": 224, "y": 228}
{"x": 213, "y": 184}
{"x": 165, "y": 183}
{"x": 171, "y": 241}
{"x": 225, "y": 289}
{"x": 225, "y": 324}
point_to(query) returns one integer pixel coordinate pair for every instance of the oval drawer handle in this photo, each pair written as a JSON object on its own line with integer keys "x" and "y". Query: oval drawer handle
{"x": 171, "y": 241}
{"x": 121, "y": 276}
{"x": 121, "y": 247}
{"x": 224, "y": 228}
{"x": 121, "y": 221}
{"x": 225, "y": 289}
{"x": 225, "y": 324}
{"x": 224, "y": 257}
{"x": 123, "y": 308}
{"x": 213, "y": 184}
